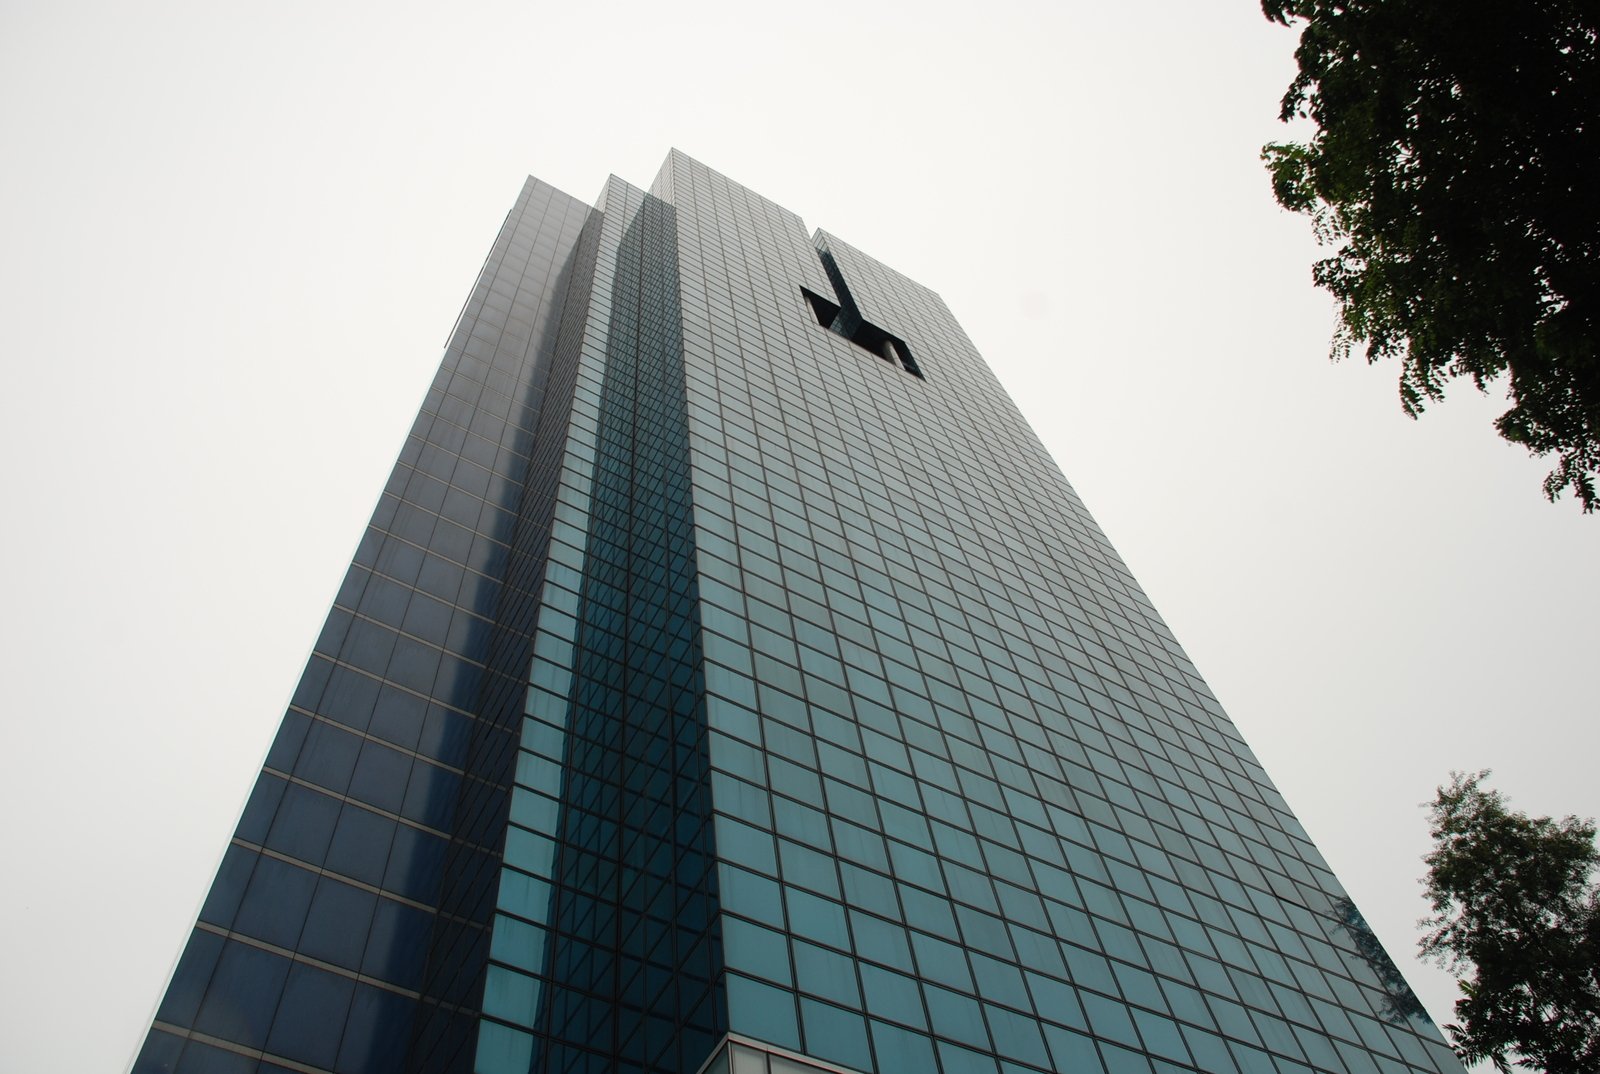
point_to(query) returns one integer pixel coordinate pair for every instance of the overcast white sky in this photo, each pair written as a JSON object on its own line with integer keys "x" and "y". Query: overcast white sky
{"x": 233, "y": 239}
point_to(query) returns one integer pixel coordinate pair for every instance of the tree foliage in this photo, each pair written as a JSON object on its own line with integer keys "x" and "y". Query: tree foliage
{"x": 1454, "y": 171}
{"x": 1516, "y": 917}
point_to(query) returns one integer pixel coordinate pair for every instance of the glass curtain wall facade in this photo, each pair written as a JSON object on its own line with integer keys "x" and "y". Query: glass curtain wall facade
{"x": 729, "y": 681}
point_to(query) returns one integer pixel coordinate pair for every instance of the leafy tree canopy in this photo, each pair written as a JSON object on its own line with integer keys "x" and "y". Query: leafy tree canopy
{"x": 1455, "y": 171}
{"x": 1516, "y": 917}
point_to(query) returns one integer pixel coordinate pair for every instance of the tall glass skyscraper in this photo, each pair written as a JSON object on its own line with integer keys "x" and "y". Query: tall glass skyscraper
{"x": 729, "y": 681}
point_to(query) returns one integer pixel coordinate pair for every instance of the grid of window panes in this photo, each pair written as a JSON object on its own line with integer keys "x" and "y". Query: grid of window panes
{"x": 322, "y": 936}
{"x": 604, "y": 951}
{"x": 975, "y": 810}
{"x": 444, "y": 1038}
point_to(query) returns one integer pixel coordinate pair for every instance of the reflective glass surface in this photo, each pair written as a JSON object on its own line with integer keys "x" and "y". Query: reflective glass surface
{"x": 728, "y": 657}
{"x": 347, "y": 927}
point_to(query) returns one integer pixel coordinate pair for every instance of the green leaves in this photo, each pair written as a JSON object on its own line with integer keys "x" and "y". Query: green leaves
{"x": 1516, "y": 916}
{"x": 1454, "y": 148}
{"x": 1291, "y": 179}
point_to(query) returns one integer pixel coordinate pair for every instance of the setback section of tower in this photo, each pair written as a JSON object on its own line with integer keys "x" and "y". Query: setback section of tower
{"x": 347, "y": 926}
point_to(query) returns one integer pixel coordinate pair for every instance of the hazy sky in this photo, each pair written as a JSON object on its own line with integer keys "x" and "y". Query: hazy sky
{"x": 233, "y": 239}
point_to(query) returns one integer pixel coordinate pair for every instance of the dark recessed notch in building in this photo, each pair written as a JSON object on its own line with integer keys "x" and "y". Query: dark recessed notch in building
{"x": 845, "y": 319}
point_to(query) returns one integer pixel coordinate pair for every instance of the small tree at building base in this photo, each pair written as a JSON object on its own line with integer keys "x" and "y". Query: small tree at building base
{"x": 1516, "y": 917}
